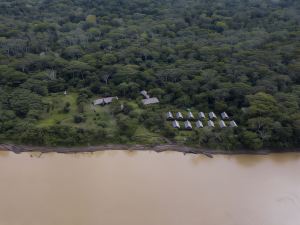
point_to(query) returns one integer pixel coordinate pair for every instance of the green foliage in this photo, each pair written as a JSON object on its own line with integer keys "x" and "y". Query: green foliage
{"x": 251, "y": 140}
{"x": 92, "y": 19}
{"x": 66, "y": 108}
{"x": 241, "y": 57}
{"x": 262, "y": 104}
{"x": 21, "y": 101}
{"x": 79, "y": 119}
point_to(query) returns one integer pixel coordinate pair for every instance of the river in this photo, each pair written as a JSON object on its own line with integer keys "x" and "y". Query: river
{"x": 148, "y": 188}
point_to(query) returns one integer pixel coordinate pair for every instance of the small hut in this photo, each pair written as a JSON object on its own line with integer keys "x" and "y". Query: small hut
{"x": 179, "y": 116}
{"x": 190, "y": 116}
{"x": 224, "y": 116}
{"x": 175, "y": 124}
{"x": 212, "y": 115}
{"x": 145, "y": 94}
{"x": 222, "y": 124}
{"x": 109, "y": 100}
{"x": 210, "y": 123}
{"x": 233, "y": 123}
{"x": 98, "y": 101}
{"x": 199, "y": 124}
{"x": 169, "y": 116}
{"x": 201, "y": 115}
{"x": 188, "y": 125}
{"x": 104, "y": 101}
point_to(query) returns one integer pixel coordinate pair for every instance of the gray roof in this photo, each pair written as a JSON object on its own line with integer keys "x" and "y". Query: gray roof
{"x": 149, "y": 101}
{"x": 179, "y": 115}
{"x": 222, "y": 124}
{"x": 169, "y": 115}
{"x": 145, "y": 94}
{"x": 175, "y": 124}
{"x": 190, "y": 115}
{"x": 224, "y": 115}
{"x": 210, "y": 123}
{"x": 233, "y": 123}
{"x": 98, "y": 101}
{"x": 188, "y": 125}
{"x": 201, "y": 115}
{"x": 212, "y": 115}
{"x": 199, "y": 124}
{"x": 107, "y": 100}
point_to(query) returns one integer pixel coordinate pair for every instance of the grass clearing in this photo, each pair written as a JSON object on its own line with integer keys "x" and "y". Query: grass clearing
{"x": 95, "y": 116}
{"x": 143, "y": 135}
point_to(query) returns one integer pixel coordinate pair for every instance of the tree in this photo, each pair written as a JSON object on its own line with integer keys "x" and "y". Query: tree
{"x": 79, "y": 118}
{"x": 21, "y": 101}
{"x": 77, "y": 68}
{"x": 262, "y": 104}
{"x": 72, "y": 52}
{"x": 109, "y": 59}
{"x": 91, "y": 19}
{"x": 251, "y": 140}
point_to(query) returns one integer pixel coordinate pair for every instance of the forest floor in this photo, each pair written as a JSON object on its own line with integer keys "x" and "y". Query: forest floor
{"x": 157, "y": 148}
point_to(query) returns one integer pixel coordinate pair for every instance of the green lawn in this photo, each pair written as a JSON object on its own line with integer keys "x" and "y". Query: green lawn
{"x": 55, "y": 114}
{"x": 143, "y": 135}
{"x": 95, "y": 116}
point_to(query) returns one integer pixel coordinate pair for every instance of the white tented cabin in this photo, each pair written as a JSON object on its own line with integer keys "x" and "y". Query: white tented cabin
{"x": 199, "y": 124}
{"x": 188, "y": 125}
{"x": 190, "y": 116}
{"x": 179, "y": 115}
{"x": 175, "y": 124}
{"x": 201, "y": 115}
{"x": 210, "y": 123}
{"x": 212, "y": 115}
{"x": 224, "y": 116}
{"x": 233, "y": 123}
{"x": 169, "y": 116}
{"x": 222, "y": 124}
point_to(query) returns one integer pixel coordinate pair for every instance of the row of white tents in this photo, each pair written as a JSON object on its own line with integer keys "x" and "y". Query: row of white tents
{"x": 201, "y": 115}
{"x": 199, "y": 124}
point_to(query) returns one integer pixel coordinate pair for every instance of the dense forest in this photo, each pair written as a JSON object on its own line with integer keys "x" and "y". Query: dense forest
{"x": 238, "y": 56}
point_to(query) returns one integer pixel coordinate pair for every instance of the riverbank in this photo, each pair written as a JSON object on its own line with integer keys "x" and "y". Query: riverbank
{"x": 157, "y": 148}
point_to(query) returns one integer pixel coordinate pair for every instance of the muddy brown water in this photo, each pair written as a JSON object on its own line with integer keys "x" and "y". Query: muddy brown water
{"x": 148, "y": 188}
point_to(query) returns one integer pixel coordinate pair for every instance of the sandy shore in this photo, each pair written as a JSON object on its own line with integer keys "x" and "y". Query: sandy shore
{"x": 156, "y": 148}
